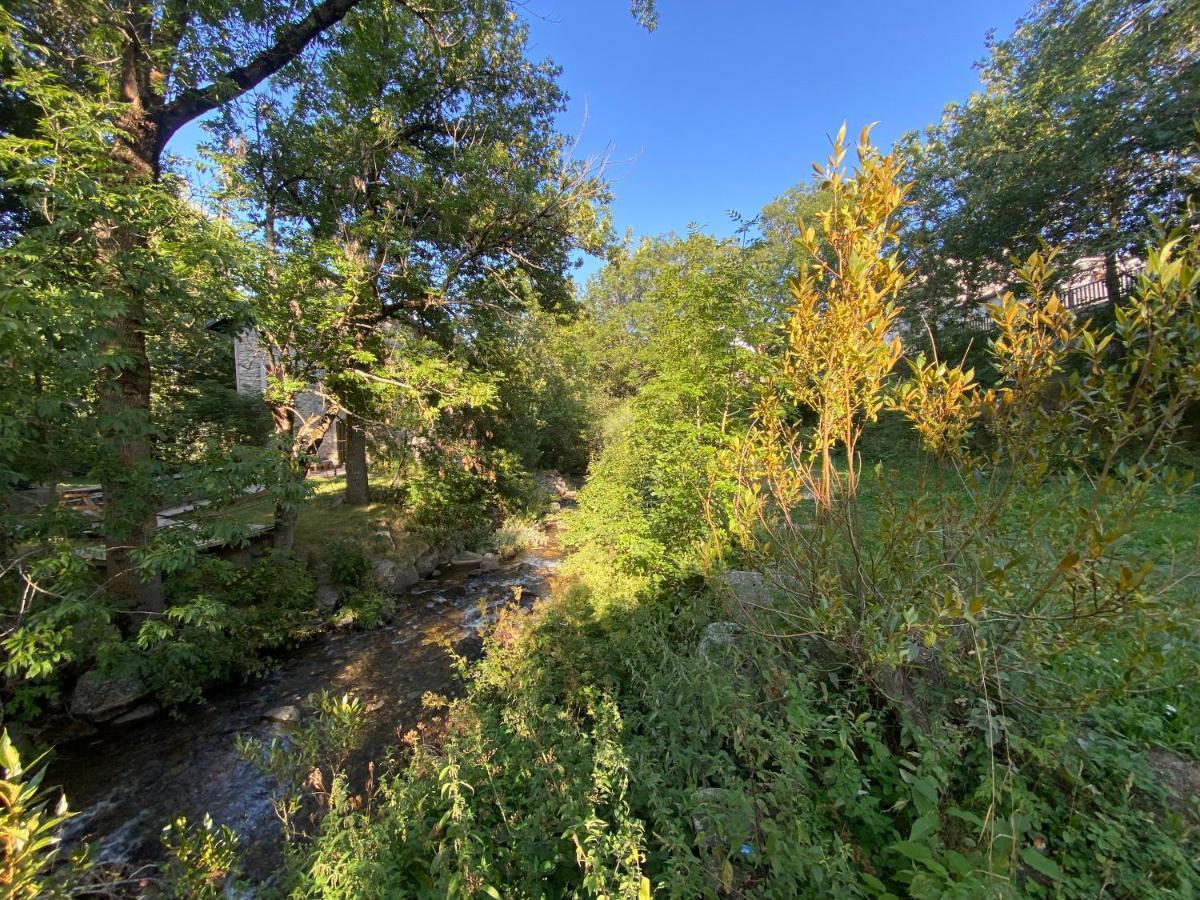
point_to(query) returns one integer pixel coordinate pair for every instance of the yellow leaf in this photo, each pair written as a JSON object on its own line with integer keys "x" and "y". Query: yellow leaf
{"x": 1069, "y": 561}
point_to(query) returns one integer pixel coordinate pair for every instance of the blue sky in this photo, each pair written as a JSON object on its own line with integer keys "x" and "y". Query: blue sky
{"x": 727, "y": 104}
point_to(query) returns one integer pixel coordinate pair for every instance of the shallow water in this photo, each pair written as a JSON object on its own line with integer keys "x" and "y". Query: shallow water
{"x": 127, "y": 783}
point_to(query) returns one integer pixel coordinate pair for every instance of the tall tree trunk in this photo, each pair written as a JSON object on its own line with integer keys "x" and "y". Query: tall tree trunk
{"x": 130, "y": 498}
{"x": 358, "y": 487}
{"x": 284, "y": 531}
{"x": 130, "y": 501}
{"x": 147, "y": 123}
{"x": 1112, "y": 277}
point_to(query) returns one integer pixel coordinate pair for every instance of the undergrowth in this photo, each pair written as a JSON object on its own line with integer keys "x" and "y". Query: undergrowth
{"x": 607, "y": 755}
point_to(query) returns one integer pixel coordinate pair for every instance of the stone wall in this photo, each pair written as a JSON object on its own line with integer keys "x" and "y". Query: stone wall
{"x": 249, "y": 363}
{"x": 250, "y": 373}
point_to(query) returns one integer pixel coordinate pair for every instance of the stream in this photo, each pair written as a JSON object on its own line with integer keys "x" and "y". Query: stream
{"x": 126, "y": 783}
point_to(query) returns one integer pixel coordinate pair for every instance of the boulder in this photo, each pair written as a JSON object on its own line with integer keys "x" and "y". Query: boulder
{"x": 327, "y": 596}
{"x": 1180, "y": 778}
{"x": 139, "y": 713}
{"x": 393, "y": 578}
{"x": 99, "y": 697}
{"x": 554, "y": 484}
{"x": 283, "y": 715}
{"x": 748, "y": 589}
{"x": 490, "y": 562}
{"x": 465, "y": 559}
{"x": 428, "y": 562}
{"x": 717, "y": 636}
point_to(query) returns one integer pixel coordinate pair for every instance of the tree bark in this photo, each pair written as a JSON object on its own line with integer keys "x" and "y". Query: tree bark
{"x": 130, "y": 502}
{"x": 284, "y": 532}
{"x": 1112, "y": 278}
{"x": 358, "y": 487}
{"x": 130, "y": 498}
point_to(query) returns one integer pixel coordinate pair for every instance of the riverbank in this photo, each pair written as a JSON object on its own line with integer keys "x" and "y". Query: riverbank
{"x": 127, "y": 783}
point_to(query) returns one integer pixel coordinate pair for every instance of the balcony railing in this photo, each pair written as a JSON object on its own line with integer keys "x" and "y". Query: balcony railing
{"x": 1095, "y": 293}
{"x": 1089, "y": 295}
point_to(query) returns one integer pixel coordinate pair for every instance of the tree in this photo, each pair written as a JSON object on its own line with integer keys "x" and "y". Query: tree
{"x": 676, "y": 328}
{"x": 1079, "y": 136}
{"x": 152, "y": 67}
{"x": 430, "y": 160}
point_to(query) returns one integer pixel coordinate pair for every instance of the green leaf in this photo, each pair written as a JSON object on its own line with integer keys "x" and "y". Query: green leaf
{"x": 1045, "y": 865}
{"x": 920, "y": 853}
{"x": 925, "y": 795}
{"x": 925, "y": 826}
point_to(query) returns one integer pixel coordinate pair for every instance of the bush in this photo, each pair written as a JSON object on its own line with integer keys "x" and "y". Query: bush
{"x": 516, "y": 533}
{"x": 221, "y": 626}
{"x": 369, "y": 607}
{"x": 202, "y": 861}
{"x": 349, "y": 565}
{"x": 994, "y": 581}
{"x": 28, "y": 827}
{"x": 449, "y": 496}
{"x": 935, "y": 694}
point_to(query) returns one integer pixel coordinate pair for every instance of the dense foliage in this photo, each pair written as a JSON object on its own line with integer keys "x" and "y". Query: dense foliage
{"x": 1081, "y": 132}
{"x": 925, "y": 686}
{"x": 388, "y": 244}
{"x": 845, "y": 614}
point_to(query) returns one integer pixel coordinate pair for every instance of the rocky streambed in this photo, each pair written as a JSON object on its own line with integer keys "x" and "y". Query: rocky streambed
{"x": 126, "y": 782}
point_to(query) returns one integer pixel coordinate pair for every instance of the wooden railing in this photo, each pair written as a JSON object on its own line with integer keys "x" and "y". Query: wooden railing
{"x": 1090, "y": 295}
{"x": 1095, "y": 293}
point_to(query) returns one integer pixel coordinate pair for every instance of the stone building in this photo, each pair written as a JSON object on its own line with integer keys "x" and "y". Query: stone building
{"x": 250, "y": 372}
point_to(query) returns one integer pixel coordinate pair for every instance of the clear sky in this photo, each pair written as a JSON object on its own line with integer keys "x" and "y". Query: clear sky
{"x": 727, "y": 104}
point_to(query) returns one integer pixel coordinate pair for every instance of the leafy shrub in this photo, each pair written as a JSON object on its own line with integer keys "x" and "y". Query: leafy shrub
{"x": 644, "y": 508}
{"x": 995, "y": 581}
{"x": 349, "y": 565}
{"x": 369, "y": 607}
{"x": 50, "y": 620}
{"x": 449, "y": 496}
{"x": 202, "y": 861}
{"x": 516, "y": 533}
{"x": 221, "y": 628}
{"x": 28, "y": 828}
{"x": 311, "y": 757}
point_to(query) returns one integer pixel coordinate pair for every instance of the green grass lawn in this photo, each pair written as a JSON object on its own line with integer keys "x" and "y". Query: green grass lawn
{"x": 324, "y": 519}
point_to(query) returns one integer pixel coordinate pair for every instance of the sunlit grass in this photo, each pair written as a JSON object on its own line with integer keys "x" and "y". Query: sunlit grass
{"x": 324, "y": 518}
{"x": 517, "y": 533}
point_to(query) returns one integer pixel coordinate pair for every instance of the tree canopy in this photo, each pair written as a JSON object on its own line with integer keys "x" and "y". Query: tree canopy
{"x": 1080, "y": 134}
